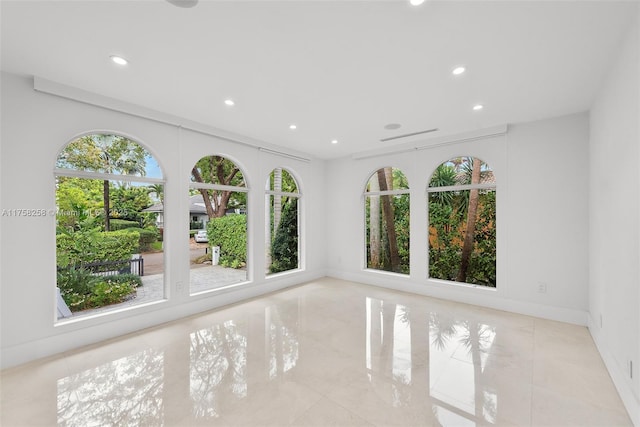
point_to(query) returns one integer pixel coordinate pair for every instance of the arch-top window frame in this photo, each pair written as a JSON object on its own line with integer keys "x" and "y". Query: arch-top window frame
{"x": 80, "y": 173}
{"x": 270, "y": 192}
{"x": 489, "y": 185}
{"x": 86, "y": 173}
{"x": 369, "y": 195}
{"x": 244, "y": 188}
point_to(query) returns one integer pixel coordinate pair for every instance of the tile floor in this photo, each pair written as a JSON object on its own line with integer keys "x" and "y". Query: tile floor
{"x": 326, "y": 353}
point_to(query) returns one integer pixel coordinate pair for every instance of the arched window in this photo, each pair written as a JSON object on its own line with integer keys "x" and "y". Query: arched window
{"x": 282, "y": 238}
{"x": 217, "y": 224}
{"x": 109, "y": 225}
{"x": 462, "y": 222}
{"x": 387, "y": 221}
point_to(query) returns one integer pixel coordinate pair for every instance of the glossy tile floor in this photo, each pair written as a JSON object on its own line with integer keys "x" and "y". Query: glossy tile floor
{"x": 326, "y": 353}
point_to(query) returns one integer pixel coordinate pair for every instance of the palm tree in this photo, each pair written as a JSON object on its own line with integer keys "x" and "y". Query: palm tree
{"x": 467, "y": 246}
{"x": 158, "y": 190}
{"x": 374, "y": 224}
{"x": 385, "y": 180}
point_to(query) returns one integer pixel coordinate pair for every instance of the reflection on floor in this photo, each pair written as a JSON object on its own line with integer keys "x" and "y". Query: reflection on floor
{"x": 326, "y": 353}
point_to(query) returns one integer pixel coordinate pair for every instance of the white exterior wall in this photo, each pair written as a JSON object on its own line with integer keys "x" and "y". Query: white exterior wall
{"x": 542, "y": 219}
{"x": 614, "y": 205}
{"x": 35, "y": 127}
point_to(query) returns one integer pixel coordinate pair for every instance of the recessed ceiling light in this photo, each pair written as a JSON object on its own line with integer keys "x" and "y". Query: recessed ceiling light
{"x": 119, "y": 60}
{"x": 229, "y": 102}
{"x": 478, "y": 107}
{"x": 458, "y": 70}
{"x": 334, "y": 141}
{"x": 293, "y": 127}
{"x": 416, "y": 2}
{"x": 392, "y": 126}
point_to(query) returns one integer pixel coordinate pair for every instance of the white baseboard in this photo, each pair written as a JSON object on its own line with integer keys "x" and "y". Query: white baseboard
{"x": 629, "y": 399}
{"x": 484, "y": 299}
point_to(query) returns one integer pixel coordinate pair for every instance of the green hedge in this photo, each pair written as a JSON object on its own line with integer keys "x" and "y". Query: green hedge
{"x": 147, "y": 237}
{"x": 230, "y": 233}
{"x": 122, "y": 224}
{"x": 95, "y": 246}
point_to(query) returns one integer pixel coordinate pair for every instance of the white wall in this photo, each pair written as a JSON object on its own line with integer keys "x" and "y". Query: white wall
{"x": 614, "y": 205}
{"x": 542, "y": 218}
{"x": 35, "y": 127}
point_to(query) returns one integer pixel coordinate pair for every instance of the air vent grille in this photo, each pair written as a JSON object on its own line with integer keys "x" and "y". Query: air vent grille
{"x": 406, "y": 135}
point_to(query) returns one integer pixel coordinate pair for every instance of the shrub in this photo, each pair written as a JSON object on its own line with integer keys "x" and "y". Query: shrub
{"x": 132, "y": 279}
{"x": 122, "y": 224}
{"x": 81, "y": 290}
{"x": 94, "y": 246}
{"x": 109, "y": 292}
{"x": 75, "y": 280}
{"x": 147, "y": 237}
{"x": 230, "y": 233}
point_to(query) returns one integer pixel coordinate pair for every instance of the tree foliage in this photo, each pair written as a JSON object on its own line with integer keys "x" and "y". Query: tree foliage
{"x": 284, "y": 248}
{"x": 222, "y": 171}
{"x": 388, "y": 223}
{"x": 79, "y": 201}
{"x": 128, "y": 202}
{"x": 462, "y": 224}
{"x": 109, "y": 154}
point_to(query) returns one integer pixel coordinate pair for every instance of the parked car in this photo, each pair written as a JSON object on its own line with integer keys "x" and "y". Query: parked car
{"x": 201, "y": 236}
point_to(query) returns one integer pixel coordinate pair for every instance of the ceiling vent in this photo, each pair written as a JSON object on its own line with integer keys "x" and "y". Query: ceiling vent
{"x": 406, "y": 135}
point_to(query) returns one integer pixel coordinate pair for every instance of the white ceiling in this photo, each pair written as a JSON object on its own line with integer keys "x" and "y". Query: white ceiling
{"x": 337, "y": 69}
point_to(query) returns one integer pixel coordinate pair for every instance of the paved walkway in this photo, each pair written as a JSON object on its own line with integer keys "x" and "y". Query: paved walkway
{"x": 202, "y": 278}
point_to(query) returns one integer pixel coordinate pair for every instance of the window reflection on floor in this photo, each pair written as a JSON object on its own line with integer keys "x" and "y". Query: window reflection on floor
{"x": 127, "y": 391}
{"x": 323, "y": 354}
{"x": 282, "y": 324}
{"x": 218, "y": 367}
{"x": 388, "y": 347}
{"x": 407, "y": 351}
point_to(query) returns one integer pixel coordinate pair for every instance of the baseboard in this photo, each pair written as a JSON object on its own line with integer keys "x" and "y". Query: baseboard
{"x": 483, "y": 299}
{"x": 629, "y": 399}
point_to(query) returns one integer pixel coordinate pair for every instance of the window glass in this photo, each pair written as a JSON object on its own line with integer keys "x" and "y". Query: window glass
{"x": 217, "y": 224}
{"x": 387, "y": 221}
{"x": 282, "y": 232}
{"x": 109, "y": 226}
{"x": 462, "y": 222}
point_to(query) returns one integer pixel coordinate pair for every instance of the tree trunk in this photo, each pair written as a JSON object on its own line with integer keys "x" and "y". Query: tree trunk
{"x": 205, "y": 193}
{"x": 215, "y": 203}
{"x": 386, "y": 183}
{"x": 107, "y": 206}
{"x": 374, "y": 225}
{"x": 277, "y": 200}
{"x": 474, "y": 341}
{"x": 388, "y": 335}
{"x": 469, "y": 234}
